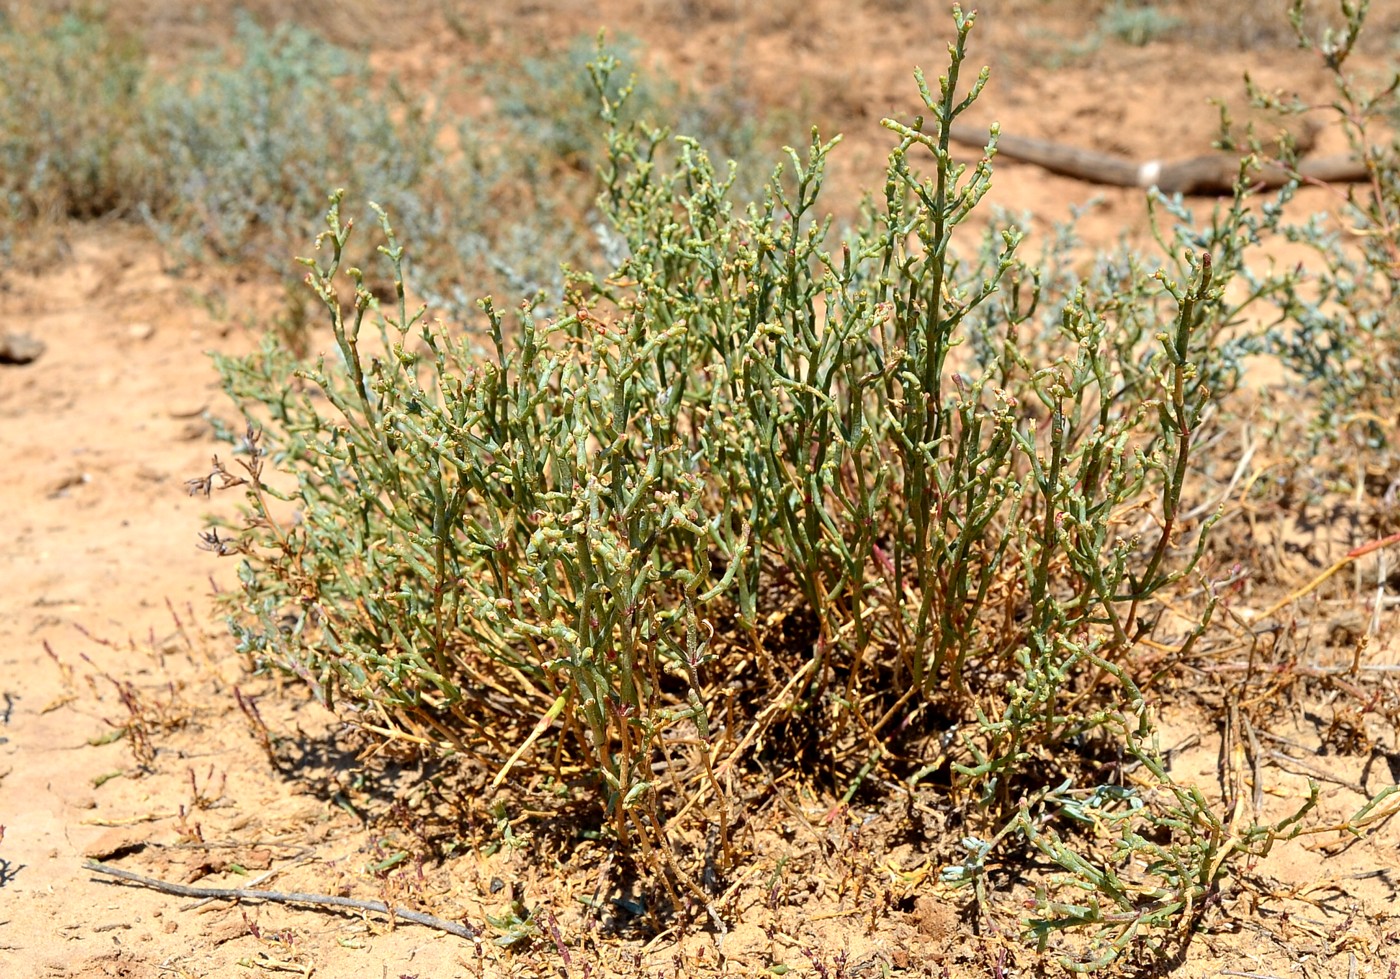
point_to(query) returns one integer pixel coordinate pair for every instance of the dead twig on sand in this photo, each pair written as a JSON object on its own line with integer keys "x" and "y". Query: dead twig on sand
{"x": 1213, "y": 173}
{"x": 1350, "y": 556}
{"x": 285, "y": 897}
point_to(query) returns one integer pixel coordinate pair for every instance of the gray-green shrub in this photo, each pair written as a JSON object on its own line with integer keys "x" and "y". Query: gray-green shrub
{"x": 67, "y": 108}
{"x": 967, "y": 474}
{"x": 1340, "y": 332}
{"x": 231, "y": 151}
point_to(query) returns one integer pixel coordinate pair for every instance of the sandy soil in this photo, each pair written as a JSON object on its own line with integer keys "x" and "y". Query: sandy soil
{"x": 121, "y": 737}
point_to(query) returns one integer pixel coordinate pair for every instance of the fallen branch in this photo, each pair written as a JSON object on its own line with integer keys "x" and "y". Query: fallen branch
{"x": 285, "y": 897}
{"x": 1214, "y": 173}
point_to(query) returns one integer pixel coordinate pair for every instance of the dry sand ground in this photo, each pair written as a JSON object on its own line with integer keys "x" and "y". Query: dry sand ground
{"x": 105, "y": 616}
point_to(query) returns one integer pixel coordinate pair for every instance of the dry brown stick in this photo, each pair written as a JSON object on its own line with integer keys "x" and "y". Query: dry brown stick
{"x": 1350, "y": 556}
{"x": 1214, "y": 173}
{"x": 285, "y": 897}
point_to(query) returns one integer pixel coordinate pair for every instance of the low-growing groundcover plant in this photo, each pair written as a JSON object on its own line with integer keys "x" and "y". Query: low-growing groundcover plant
{"x": 892, "y": 497}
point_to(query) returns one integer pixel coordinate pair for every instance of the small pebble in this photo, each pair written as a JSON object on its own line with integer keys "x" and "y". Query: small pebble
{"x": 19, "y": 348}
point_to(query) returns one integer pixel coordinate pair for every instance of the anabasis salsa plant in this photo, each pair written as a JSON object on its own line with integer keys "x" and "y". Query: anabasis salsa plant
{"x": 884, "y": 495}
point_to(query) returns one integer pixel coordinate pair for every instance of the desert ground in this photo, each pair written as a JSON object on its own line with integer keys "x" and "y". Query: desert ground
{"x": 122, "y": 738}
